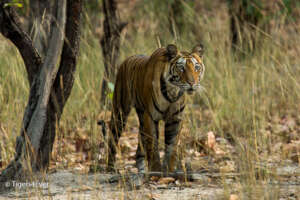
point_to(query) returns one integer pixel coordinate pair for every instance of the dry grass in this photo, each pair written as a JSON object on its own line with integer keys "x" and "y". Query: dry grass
{"x": 248, "y": 101}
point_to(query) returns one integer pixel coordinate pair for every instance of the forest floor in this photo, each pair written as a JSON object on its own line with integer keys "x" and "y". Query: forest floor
{"x": 220, "y": 170}
{"x": 243, "y": 139}
{"x": 66, "y": 184}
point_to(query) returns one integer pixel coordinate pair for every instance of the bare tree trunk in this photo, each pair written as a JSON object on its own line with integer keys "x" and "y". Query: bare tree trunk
{"x": 35, "y": 115}
{"x": 64, "y": 80}
{"x": 110, "y": 44}
{"x": 50, "y": 86}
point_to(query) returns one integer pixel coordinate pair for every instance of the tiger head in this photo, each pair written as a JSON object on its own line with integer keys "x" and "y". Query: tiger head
{"x": 185, "y": 69}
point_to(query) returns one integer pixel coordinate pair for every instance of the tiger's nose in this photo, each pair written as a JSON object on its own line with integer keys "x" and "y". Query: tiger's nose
{"x": 191, "y": 82}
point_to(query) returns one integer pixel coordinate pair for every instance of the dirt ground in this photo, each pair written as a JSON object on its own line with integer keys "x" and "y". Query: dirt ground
{"x": 66, "y": 184}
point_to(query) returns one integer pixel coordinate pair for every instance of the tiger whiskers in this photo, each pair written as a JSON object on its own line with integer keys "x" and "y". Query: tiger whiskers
{"x": 199, "y": 88}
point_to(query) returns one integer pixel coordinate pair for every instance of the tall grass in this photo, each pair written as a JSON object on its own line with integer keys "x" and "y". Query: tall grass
{"x": 240, "y": 97}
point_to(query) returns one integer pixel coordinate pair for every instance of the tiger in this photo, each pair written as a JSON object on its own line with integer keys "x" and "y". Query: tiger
{"x": 156, "y": 87}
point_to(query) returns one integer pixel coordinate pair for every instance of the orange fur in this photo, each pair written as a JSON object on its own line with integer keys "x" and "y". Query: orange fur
{"x": 156, "y": 87}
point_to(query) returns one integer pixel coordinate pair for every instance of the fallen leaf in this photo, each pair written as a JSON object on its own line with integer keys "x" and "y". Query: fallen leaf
{"x": 161, "y": 154}
{"x": 81, "y": 168}
{"x": 152, "y": 196}
{"x": 126, "y": 145}
{"x": 130, "y": 162}
{"x": 154, "y": 178}
{"x": 71, "y": 147}
{"x": 85, "y": 188}
{"x": 211, "y": 140}
{"x": 219, "y": 151}
{"x": 292, "y": 151}
{"x": 166, "y": 180}
{"x": 234, "y": 197}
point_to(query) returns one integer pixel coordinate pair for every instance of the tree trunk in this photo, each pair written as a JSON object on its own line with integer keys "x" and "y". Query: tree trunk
{"x": 64, "y": 80}
{"x": 50, "y": 86}
{"x": 110, "y": 44}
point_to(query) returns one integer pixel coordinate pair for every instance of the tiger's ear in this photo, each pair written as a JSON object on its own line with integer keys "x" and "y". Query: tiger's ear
{"x": 199, "y": 50}
{"x": 171, "y": 51}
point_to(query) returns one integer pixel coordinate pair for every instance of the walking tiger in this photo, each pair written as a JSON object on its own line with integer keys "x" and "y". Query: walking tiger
{"x": 155, "y": 86}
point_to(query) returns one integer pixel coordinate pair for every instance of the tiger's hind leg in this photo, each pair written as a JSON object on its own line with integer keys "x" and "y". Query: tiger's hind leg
{"x": 140, "y": 153}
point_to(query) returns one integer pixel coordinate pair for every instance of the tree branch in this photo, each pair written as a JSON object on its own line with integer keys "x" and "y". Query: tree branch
{"x": 10, "y": 27}
{"x": 69, "y": 54}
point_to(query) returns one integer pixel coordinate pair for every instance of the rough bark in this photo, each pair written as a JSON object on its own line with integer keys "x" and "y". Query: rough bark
{"x": 45, "y": 79}
{"x": 110, "y": 43}
{"x": 35, "y": 114}
{"x": 50, "y": 88}
{"x": 64, "y": 80}
{"x": 10, "y": 27}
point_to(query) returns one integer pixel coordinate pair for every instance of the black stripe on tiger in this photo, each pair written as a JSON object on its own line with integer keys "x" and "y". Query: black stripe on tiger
{"x": 140, "y": 113}
{"x": 156, "y": 106}
{"x": 140, "y": 103}
{"x": 171, "y": 130}
{"x": 179, "y": 111}
{"x": 179, "y": 94}
{"x": 169, "y": 124}
{"x": 163, "y": 89}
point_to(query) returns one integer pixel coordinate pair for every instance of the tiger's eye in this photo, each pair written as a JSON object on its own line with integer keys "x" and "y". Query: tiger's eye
{"x": 197, "y": 67}
{"x": 180, "y": 67}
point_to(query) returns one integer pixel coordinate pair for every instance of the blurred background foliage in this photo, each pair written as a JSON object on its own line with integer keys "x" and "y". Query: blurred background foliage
{"x": 262, "y": 33}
